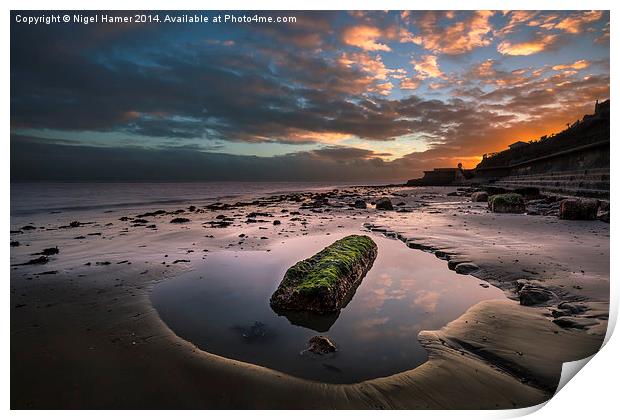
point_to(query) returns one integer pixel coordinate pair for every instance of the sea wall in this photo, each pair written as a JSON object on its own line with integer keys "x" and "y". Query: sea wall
{"x": 590, "y": 156}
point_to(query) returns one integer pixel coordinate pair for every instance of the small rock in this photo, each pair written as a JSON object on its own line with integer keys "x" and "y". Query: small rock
{"x": 466, "y": 268}
{"x": 507, "y": 203}
{"x": 360, "y": 204}
{"x": 578, "y": 209}
{"x": 49, "y": 251}
{"x": 480, "y": 197}
{"x": 41, "y": 260}
{"x": 14, "y": 243}
{"x": 320, "y": 344}
{"x": 531, "y": 294}
{"x": 276, "y": 222}
{"x": 180, "y": 220}
{"x": 384, "y": 203}
{"x": 573, "y": 308}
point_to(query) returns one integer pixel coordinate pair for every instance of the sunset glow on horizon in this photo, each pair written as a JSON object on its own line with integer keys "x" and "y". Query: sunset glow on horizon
{"x": 380, "y": 95}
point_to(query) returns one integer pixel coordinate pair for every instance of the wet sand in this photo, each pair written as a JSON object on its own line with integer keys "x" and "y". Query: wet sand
{"x": 87, "y": 336}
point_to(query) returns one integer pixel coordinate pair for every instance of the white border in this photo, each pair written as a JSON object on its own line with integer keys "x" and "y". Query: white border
{"x": 591, "y": 394}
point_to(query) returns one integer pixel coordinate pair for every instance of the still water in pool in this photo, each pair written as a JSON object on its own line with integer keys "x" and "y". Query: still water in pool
{"x": 222, "y": 306}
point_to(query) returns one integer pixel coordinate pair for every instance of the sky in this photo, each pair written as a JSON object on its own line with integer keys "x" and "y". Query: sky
{"x": 350, "y": 96}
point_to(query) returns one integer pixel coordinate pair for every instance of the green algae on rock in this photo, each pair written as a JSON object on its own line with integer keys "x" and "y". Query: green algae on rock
{"x": 325, "y": 282}
{"x": 507, "y": 203}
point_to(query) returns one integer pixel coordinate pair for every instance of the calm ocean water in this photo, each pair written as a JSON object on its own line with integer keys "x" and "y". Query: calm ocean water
{"x": 35, "y": 198}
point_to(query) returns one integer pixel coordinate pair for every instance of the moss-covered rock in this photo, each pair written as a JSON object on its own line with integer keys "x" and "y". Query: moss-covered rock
{"x": 507, "y": 203}
{"x": 579, "y": 209}
{"x": 326, "y": 282}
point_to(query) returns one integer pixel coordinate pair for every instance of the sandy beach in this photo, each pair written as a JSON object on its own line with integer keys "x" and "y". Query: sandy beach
{"x": 84, "y": 332}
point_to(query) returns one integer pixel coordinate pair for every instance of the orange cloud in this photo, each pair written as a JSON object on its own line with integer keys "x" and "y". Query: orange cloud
{"x": 374, "y": 66}
{"x": 364, "y": 37}
{"x": 517, "y": 17}
{"x": 328, "y": 137}
{"x": 577, "y": 65}
{"x": 533, "y": 46}
{"x": 574, "y": 23}
{"x": 382, "y": 88}
{"x": 485, "y": 69}
{"x": 375, "y": 69}
{"x": 427, "y": 67}
{"x": 461, "y": 37}
{"x": 409, "y": 84}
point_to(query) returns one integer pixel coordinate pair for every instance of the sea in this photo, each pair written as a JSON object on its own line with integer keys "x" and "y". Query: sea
{"x": 32, "y": 198}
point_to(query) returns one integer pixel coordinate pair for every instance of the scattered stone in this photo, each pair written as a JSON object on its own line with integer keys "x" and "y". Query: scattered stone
{"x": 384, "y": 203}
{"x": 480, "y": 197}
{"x": 453, "y": 262}
{"x": 320, "y": 344}
{"x": 507, "y": 203}
{"x": 36, "y": 261}
{"x": 180, "y": 261}
{"x": 103, "y": 263}
{"x": 75, "y": 224}
{"x": 149, "y": 214}
{"x": 49, "y": 251}
{"x": 255, "y": 214}
{"x": 573, "y": 308}
{"x": 180, "y": 220}
{"x": 579, "y": 209}
{"x": 533, "y": 294}
{"x": 466, "y": 268}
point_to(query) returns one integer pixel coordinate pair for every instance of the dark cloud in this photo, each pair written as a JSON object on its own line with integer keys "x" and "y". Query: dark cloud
{"x": 284, "y": 84}
{"x": 44, "y": 160}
